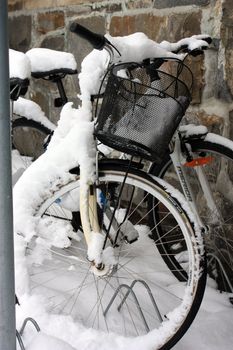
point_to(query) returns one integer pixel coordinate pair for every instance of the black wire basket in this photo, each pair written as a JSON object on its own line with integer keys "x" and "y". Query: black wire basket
{"x": 143, "y": 105}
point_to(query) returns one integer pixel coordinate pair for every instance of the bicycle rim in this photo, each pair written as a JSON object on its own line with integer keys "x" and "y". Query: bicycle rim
{"x": 139, "y": 295}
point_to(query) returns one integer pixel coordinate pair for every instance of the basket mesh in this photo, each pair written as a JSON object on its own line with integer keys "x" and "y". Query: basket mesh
{"x": 141, "y": 109}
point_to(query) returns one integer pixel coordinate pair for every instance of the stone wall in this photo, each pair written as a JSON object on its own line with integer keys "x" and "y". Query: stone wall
{"x": 45, "y": 23}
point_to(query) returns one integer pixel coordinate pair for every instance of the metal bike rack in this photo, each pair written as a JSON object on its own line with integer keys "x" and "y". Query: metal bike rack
{"x": 20, "y": 340}
{"x": 130, "y": 291}
{"x": 20, "y": 333}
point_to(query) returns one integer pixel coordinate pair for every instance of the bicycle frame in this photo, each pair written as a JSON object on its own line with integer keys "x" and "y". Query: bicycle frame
{"x": 89, "y": 217}
{"x": 179, "y": 161}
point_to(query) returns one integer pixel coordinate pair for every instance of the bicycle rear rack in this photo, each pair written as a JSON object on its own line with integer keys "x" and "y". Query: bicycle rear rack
{"x": 130, "y": 291}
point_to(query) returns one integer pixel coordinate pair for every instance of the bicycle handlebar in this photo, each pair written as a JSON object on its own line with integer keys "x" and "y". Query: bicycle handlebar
{"x": 98, "y": 41}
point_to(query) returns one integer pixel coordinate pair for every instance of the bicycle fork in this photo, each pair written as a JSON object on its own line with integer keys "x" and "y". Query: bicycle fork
{"x": 114, "y": 231}
{"x": 90, "y": 224}
{"x": 93, "y": 234}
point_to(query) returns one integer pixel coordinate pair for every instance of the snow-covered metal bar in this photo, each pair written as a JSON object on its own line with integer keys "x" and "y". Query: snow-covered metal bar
{"x": 7, "y": 294}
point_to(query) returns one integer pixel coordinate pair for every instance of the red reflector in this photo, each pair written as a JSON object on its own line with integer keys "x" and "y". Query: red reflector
{"x": 199, "y": 161}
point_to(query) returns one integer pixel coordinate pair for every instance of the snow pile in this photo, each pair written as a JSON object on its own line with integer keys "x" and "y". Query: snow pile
{"x": 53, "y": 167}
{"x": 46, "y": 342}
{"x": 192, "y": 43}
{"x": 45, "y": 60}
{"x": 137, "y": 47}
{"x": 18, "y": 165}
{"x": 32, "y": 111}
{"x": 19, "y": 65}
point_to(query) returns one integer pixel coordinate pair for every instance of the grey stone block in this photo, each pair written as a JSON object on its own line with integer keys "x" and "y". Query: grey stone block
{"x": 20, "y": 29}
{"x": 173, "y": 3}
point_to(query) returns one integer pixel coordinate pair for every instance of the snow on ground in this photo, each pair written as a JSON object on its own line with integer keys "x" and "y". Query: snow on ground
{"x": 211, "y": 330}
{"x": 44, "y": 341}
{"x": 212, "y": 327}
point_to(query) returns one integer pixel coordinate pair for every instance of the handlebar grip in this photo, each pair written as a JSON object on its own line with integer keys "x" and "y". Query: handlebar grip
{"x": 98, "y": 41}
{"x": 207, "y": 39}
{"x": 196, "y": 52}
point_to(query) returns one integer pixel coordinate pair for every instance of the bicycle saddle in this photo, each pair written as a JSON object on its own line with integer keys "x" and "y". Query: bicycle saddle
{"x": 49, "y": 63}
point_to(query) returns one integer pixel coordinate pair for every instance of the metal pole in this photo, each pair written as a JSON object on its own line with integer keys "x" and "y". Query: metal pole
{"x": 7, "y": 293}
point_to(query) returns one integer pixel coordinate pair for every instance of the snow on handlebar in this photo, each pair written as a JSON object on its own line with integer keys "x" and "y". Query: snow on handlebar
{"x": 137, "y": 47}
{"x": 195, "y": 43}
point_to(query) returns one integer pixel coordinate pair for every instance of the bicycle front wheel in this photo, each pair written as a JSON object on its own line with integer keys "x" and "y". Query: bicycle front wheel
{"x": 219, "y": 173}
{"x": 139, "y": 294}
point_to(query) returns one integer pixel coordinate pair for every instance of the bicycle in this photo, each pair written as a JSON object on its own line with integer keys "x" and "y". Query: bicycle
{"x": 203, "y": 162}
{"x": 31, "y": 129}
{"x": 117, "y": 220}
{"x": 28, "y": 134}
{"x": 198, "y": 163}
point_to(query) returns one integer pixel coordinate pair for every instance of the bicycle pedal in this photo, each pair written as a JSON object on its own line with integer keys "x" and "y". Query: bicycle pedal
{"x": 129, "y": 232}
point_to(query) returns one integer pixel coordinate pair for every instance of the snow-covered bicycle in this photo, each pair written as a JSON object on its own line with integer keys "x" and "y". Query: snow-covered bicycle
{"x": 93, "y": 233}
{"x": 30, "y": 127}
{"x": 200, "y": 164}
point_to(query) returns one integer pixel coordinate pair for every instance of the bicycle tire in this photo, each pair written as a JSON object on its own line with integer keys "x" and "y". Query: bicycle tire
{"x": 219, "y": 241}
{"x": 28, "y": 137}
{"x": 139, "y": 187}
